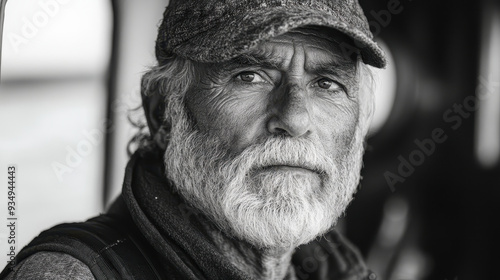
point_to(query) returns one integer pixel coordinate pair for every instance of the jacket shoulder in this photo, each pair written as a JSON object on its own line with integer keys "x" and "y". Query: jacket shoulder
{"x": 50, "y": 265}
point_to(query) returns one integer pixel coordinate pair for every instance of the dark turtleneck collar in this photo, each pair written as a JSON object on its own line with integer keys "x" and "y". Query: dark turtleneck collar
{"x": 176, "y": 231}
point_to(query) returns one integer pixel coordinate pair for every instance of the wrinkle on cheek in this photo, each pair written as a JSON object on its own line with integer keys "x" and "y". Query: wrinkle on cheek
{"x": 340, "y": 120}
{"x": 235, "y": 104}
{"x": 224, "y": 114}
{"x": 210, "y": 97}
{"x": 239, "y": 118}
{"x": 343, "y": 109}
{"x": 342, "y": 134}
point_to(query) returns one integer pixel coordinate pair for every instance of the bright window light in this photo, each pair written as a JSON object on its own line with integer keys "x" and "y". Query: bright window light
{"x": 488, "y": 92}
{"x": 55, "y": 37}
{"x": 385, "y": 90}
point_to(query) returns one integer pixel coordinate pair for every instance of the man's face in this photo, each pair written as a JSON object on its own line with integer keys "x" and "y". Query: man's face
{"x": 268, "y": 145}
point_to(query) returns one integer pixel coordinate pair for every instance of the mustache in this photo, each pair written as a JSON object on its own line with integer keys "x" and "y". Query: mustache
{"x": 293, "y": 152}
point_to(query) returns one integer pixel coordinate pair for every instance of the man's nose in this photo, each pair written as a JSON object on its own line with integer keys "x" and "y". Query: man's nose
{"x": 290, "y": 113}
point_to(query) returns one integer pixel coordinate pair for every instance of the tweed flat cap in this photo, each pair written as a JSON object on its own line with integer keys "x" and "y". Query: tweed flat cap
{"x": 218, "y": 30}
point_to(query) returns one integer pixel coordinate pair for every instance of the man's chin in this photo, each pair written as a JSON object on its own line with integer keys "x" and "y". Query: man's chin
{"x": 284, "y": 184}
{"x": 280, "y": 212}
{"x": 275, "y": 229}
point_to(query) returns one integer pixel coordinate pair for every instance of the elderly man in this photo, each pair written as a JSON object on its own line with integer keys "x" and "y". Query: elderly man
{"x": 257, "y": 112}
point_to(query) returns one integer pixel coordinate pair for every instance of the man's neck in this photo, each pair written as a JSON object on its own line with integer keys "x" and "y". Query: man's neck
{"x": 269, "y": 264}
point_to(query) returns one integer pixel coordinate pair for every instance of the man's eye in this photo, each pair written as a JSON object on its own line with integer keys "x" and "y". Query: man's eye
{"x": 327, "y": 84}
{"x": 250, "y": 77}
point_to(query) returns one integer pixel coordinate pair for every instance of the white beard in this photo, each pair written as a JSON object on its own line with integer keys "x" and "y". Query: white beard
{"x": 267, "y": 208}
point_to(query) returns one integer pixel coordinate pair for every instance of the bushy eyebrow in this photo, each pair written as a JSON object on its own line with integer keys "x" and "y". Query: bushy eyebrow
{"x": 331, "y": 67}
{"x": 257, "y": 60}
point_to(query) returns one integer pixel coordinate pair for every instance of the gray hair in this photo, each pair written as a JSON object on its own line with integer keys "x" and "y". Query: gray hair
{"x": 171, "y": 80}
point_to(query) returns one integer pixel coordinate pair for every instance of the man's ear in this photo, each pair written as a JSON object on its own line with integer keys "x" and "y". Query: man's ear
{"x": 154, "y": 108}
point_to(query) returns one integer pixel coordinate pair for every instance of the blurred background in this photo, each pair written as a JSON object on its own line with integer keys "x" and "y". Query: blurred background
{"x": 427, "y": 205}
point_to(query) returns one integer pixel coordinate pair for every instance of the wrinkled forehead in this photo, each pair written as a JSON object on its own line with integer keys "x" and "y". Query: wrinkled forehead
{"x": 321, "y": 47}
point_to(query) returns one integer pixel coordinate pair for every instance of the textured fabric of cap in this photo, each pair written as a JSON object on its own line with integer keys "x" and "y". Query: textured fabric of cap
{"x": 218, "y": 30}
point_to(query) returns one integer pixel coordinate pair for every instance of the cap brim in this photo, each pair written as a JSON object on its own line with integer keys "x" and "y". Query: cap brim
{"x": 224, "y": 39}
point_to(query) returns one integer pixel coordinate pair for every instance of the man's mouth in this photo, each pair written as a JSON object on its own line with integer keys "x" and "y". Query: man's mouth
{"x": 298, "y": 169}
